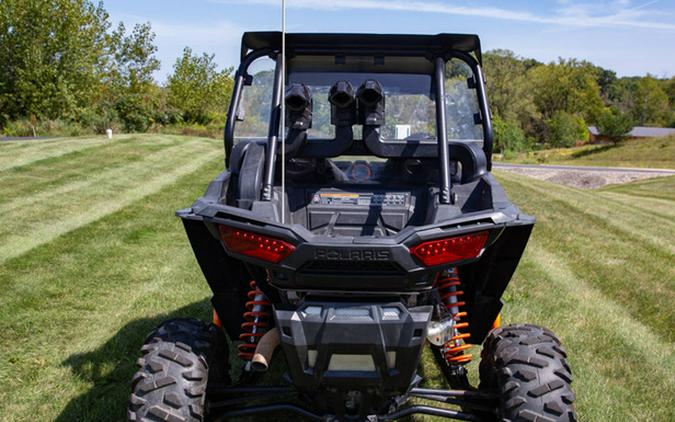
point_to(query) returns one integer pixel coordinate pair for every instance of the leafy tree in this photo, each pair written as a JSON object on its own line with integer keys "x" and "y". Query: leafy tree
{"x": 606, "y": 79}
{"x": 197, "y": 88}
{"x": 130, "y": 83}
{"x": 649, "y": 103}
{"x": 509, "y": 137}
{"x": 510, "y": 92}
{"x": 568, "y": 86}
{"x": 51, "y": 56}
{"x": 614, "y": 125}
{"x": 670, "y": 91}
{"x": 565, "y": 129}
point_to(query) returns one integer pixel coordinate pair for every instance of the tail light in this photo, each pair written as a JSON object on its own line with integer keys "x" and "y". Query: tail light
{"x": 451, "y": 249}
{"x": 251, "y": 244}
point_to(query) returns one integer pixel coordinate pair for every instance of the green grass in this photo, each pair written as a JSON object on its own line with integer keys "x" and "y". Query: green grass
{"x": 654, "y": 153}
{"x": 92, "y": 257}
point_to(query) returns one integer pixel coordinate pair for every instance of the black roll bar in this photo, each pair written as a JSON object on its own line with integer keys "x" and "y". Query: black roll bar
{"x": 488, "y": 134}
{"x": 273, "y": 131}
{"x": 441, "y": 134}
{"x": 240, "y": 77}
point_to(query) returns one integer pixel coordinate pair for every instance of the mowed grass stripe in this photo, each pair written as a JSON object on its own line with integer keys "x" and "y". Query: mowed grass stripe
{"x": 39, "y": 228}
{"x": 88, "y": 298}
{"x": 649, "y": 347}
{"x": 17, "y": 153}
{"x": 622, "y": 369}
{"x": 77, "y": 165}
{"x": 637, "y": 275}
{"x": 28, "y": 152}
{"x": 96, "y": 180}
{"x": 660, "y": 209}
{"x": 658, "y": 188}
{"x": 629, "y": 220}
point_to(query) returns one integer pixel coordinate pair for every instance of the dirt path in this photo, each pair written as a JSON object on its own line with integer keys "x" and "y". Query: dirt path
{"x": 584, "y": 177}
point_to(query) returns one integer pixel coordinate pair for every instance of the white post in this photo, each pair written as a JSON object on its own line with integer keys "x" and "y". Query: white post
{"x": 108, "y": 133}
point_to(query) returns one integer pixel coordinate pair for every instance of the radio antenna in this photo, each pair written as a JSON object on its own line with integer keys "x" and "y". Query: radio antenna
{"x": 282, "y": 135}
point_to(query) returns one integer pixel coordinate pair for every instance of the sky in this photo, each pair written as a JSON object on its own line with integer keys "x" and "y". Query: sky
{"x": 628, "y": 36}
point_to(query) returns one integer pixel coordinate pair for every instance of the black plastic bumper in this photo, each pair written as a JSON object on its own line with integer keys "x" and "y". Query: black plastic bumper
{"x": 366, "y": 351}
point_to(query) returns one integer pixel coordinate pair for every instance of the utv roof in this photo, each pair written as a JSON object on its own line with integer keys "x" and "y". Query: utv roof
{"x": 363, "y": 43}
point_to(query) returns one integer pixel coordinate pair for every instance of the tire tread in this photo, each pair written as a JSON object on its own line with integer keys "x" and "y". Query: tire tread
{"x": 176, "y": 362}
{"x": 527, "y": 366}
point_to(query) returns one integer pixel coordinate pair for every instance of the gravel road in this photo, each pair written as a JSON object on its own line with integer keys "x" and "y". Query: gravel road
{"x": 583, "y": 177}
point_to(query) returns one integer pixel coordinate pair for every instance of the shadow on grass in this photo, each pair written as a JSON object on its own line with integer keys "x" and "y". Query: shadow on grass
{"x": 110, "y": 368}
{"x": 592, "y": 151}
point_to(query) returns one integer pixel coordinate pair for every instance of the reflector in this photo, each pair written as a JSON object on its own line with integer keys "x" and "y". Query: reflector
{"x": 449, "y": 250}
{"x": 254, "y": 245}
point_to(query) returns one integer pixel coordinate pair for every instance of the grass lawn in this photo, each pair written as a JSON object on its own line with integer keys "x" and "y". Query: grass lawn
{"x": 654, "y": 153}
{"x": 92, "y": 257}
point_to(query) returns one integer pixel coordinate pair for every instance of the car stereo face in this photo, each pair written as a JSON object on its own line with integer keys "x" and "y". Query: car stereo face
{"x": 350, "y": 212}
{"x": 388, "y": 199}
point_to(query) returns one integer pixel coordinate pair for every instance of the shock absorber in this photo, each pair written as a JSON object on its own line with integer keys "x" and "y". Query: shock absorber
{"x": 256, "y": 322}
{"x": 448, "y": 285}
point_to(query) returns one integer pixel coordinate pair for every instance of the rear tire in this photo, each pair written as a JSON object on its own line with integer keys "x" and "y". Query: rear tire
{"x": 527, "y": 368}
{"x": 177, "y": 361}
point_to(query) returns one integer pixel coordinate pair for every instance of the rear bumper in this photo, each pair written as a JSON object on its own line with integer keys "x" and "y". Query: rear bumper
{"x": 363, "y": 264}
{"x": 335, "y": 266}
{"x": 369, "y": 348}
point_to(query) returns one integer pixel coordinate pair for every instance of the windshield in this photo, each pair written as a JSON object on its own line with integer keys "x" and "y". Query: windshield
{"x": 408, "y": 86}
{"x": 409, "y": 108}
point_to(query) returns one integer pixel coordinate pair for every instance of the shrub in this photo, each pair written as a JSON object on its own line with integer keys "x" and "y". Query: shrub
{"x": 99, "y": 119}
{"x": 33, "y": 127}
{"x": 565, "y": 129}
{"x": 509, "y": 137}
{"x": 614, "y": 125}
{"x": 22, "y": 127}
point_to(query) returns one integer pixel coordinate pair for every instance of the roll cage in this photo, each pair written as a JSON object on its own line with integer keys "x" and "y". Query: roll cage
{"x": 438, "y": 49}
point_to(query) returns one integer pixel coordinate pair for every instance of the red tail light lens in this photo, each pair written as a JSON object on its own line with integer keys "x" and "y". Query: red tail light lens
{"x": 452, "y": 249}
{"x": 255, "y": 245}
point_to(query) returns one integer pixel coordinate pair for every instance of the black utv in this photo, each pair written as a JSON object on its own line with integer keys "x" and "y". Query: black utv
{"x": 357, "y": 223}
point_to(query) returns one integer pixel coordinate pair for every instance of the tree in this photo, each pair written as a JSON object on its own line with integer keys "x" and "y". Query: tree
{"x": 606, "y": 79}
{"x": 650, "y": 103}
{"x": 565, "y": 129}
{"x": 197, "y": 88}
{"x": 509, "y": 137}
{"x": 568, "y": 86}
{"x": 129, "y": 81}
{"x": 670, "y": 91}
{"x": 51, "y": 55}
{"x": 614, "y": 125}
{"x": 510, "y": 92}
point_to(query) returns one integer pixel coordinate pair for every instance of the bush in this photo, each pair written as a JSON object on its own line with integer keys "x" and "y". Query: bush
{"x": 509, "y": 137}
{"x": 21, "y": 127}
{"x": 614, "y": 125}
{"x": 99, "y": 119}
{"x": 565, "y": 129}
{"x": 33, "y": 127}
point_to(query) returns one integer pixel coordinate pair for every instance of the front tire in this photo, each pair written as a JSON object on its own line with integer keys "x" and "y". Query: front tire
{"x": 527, "y": 368}
{"x": 178, "y": 360}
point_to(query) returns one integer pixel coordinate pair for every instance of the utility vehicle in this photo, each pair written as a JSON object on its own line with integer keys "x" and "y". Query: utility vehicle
{"x": 371, "y": 230}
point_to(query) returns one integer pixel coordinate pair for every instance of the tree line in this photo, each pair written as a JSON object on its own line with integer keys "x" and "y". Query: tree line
{"x": 554, "y": 103}
{"x": 65, "y": 69}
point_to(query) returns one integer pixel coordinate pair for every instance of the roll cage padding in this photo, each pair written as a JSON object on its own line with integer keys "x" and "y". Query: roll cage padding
{"x": 247, "y": 165}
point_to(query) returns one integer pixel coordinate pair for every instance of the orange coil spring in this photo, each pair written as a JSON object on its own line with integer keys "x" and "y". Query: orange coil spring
{"x": 448, "y": 284}
{"x": 255, "y": 323}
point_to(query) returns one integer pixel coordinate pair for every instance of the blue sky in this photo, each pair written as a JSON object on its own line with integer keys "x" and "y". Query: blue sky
{"x": 631, "y": 37}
